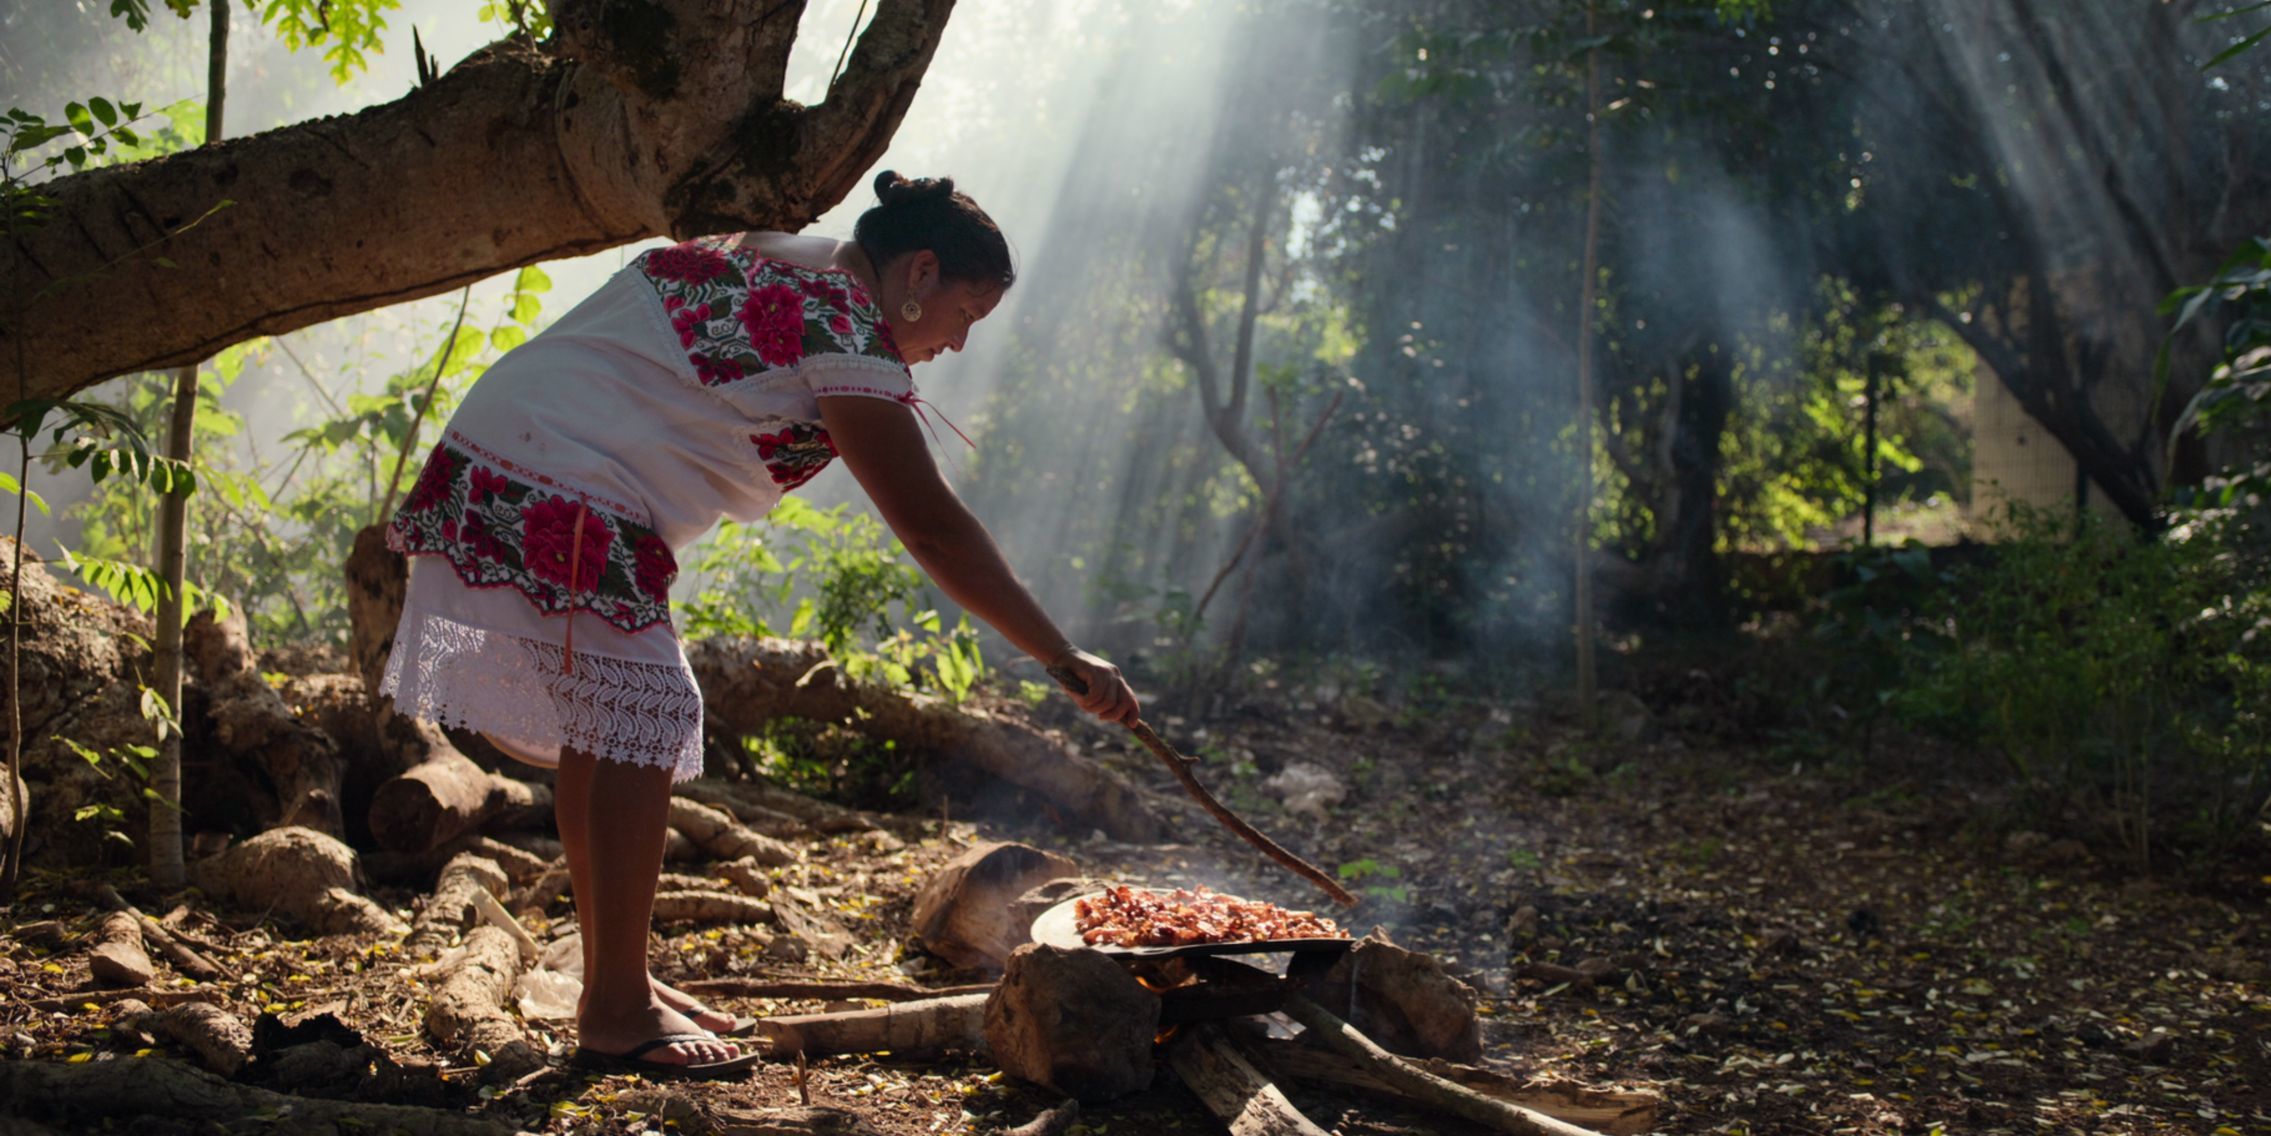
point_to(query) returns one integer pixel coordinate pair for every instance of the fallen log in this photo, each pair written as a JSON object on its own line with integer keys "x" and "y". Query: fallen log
{"x": 468, "y": 1012}
{"x": 1614, "y": 1113}
{"x": 779, "y": 812}
{"x": 747, "y": 877}
{"x": 521, "y": 866}
{"x": 748, "y": 684}
{"x": 305, "y": 874}
{"x": 73, "y": 1003}
{"x": 545, "y": 890}
{"x": 955, "y": 1022}
{"x": 82, "y": 1098}
{"x": 300, "y": 763}
{"x": 451, "y": 909}
{"x": 184, "y": 959}
{"x": 724, "y": 838}
{"x": 1212, "y": 1067}
{"x": 446, "y": 796}
{"x": 118, "y": 958}
{"x": 710, "y": 907}
{"x": 221, "y": 1041}
{"x": 1419, "y": 1085}
{"x": 789, "y": 990}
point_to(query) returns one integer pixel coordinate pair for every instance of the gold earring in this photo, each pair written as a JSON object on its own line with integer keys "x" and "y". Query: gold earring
{"x": 911, "y": 311}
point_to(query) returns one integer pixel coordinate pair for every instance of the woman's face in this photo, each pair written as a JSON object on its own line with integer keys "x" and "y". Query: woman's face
{"x": 949, "y": 307}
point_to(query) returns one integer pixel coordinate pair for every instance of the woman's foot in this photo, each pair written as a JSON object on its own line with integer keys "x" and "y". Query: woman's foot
{"x": 623, "y": 1032}
{"x": 704, "y": 1017}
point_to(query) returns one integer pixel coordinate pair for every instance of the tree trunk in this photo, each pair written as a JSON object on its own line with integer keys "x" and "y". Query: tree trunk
{"x": 639, "y": 118}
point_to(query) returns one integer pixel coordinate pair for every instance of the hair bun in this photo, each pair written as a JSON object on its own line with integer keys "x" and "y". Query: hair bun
{"x": 892, "y": 189}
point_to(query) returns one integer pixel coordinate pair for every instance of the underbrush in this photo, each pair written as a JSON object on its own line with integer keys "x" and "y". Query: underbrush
{"x": 2115, "y": 689}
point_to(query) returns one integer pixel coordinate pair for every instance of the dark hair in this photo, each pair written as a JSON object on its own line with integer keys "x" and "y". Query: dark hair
{"x": 913, "y": 214}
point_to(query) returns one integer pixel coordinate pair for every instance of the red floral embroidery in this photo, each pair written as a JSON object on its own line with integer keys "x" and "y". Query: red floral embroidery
{"x": 774, "y": 315}
{"x": 499, "y": 532}
{"x": 485, "y": 483}
{"x": 652, "y": 564}
{"x": 549, "y": 545}
{"x": 716, "y": 372}
{"x": 795, "y": 453}
{"x": 688, "y": 262}
{"x": 767, "y": 315}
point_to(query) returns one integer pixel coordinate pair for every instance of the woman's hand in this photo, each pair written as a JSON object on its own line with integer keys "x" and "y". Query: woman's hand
{"x": 1096, "y": 686}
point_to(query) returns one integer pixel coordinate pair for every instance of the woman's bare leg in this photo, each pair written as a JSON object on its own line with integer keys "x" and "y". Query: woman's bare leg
{"x": 621, "y": 811}
{"x": 572, "y": 807}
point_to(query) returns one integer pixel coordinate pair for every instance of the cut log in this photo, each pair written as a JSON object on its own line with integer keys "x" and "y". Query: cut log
{"x": 178, "y": 953}
{"x": 1419, "y": 1085}
{"x": 446, "y": 796}
{"x": 468, "y": 1012}
{"x": 780, "y": 812}
{"x": 300, "y": 763}
{"x": 221, "y": 1042}
{"x": 722, "y": 837}
{"x": 300, "y": 872}
{"x": 748, "y": 877}
{"x": 967, "y": 912}
{"x": 83, "y": 1098}
{"x": 546, "y": 890}
{"x": 747, "y": 685}
{"x": 1613, "y": 1112}
{"x": 1212, "y": 1067}
{"x": 710, "y": 907}
{"x": 451, "y": 909}
{"x": 956, "y": 1022}
{"x": 118, "y": 959}
{"x": 1404, "y": 1000}
{"x": 820, "y": 931}
{"x": 520, "y": 865}
{"x": 1074, "y": 1021}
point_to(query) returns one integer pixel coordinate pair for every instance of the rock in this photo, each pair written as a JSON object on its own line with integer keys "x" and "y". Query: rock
{"x": 1074, "y": 1021}
{"x": 967, "y": 914}
{"x": 1308, "y": 789}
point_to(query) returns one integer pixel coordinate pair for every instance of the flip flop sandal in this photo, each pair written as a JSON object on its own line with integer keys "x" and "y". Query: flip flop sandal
{"x": 742, "y": 1026}
{"x": 634, "y": 1061}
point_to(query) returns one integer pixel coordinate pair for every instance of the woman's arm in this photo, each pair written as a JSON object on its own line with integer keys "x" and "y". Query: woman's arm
{"x": 884, "y": 448}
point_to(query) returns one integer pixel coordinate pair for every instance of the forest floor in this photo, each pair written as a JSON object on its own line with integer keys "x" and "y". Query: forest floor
{"x": 1794, "y": 948}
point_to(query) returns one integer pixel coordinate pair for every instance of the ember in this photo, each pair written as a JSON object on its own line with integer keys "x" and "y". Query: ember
{"x": 1132, "y": 917}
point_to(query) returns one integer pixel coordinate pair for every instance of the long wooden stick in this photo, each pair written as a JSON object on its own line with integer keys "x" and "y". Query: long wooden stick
{"x": 1180, "y": 766}
{"x": 1420, "y": 1085}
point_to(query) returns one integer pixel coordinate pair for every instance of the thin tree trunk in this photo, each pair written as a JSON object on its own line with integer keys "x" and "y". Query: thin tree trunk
{"x": 166, "y": 866}
{"x": 1582, "y": 538}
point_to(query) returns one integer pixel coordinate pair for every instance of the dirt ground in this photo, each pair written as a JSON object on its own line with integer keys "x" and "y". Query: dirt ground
{"x": 1789, "y": 947}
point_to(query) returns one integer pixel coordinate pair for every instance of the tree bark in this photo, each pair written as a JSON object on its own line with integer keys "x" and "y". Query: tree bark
{"x": 468, "y": 1011}
{"x": 134, "y": 1090}
{"x": 301, "y": 763}
{"x": 446, "y": 797}
{"x": 640, "y": 118}
{"x": 955, "y": 1022}
{"x": 745, "y": 685}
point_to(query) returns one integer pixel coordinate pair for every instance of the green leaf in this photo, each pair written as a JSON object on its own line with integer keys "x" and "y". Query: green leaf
{"x": 2256, "y": 7}
{"x": 2236, "y": 49}
{"x": 104, "y": 112}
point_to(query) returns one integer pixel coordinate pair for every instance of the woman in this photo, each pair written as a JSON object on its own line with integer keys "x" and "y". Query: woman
{"x": 703, "y": 380}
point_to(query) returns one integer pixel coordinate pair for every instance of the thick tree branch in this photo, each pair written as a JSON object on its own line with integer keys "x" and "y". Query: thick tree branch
{"x": 644, "y": 118}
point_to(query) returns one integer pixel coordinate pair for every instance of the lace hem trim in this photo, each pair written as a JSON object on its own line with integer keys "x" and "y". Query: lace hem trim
{"x": 455, "y": 674}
